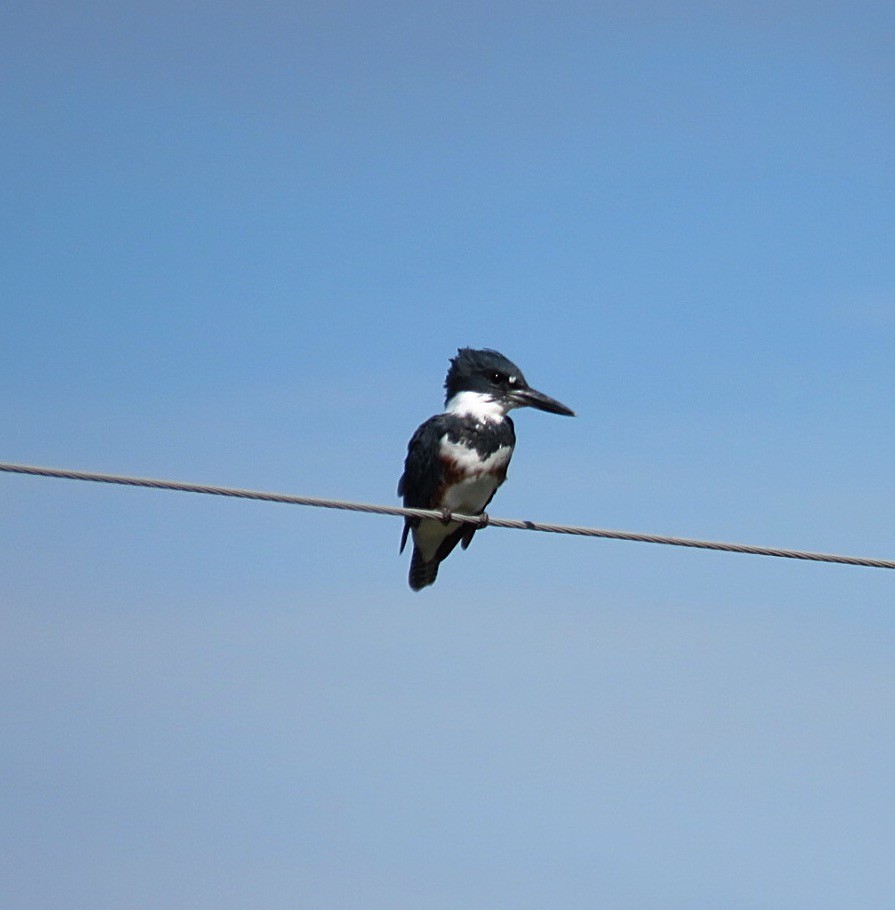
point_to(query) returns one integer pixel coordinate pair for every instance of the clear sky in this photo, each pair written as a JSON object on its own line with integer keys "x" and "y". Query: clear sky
{"x": 239, "y": 243}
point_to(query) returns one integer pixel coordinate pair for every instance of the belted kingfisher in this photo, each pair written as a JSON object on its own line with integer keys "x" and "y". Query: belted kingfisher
{"x": 457, "y": 460}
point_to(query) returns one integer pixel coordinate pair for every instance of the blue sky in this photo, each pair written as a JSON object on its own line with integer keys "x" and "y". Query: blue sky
{"x": 240, "y": 243}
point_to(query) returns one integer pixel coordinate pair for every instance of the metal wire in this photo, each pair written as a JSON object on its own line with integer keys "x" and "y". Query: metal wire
{"x": 479, "y": 520}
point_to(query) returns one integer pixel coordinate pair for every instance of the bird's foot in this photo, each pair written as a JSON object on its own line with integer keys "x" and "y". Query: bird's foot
{"x": 446, "y": 516}
{"x": 484, "y": 520}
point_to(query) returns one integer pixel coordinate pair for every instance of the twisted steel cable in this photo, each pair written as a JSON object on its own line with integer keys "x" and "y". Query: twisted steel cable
{"x": 479, "y": 520}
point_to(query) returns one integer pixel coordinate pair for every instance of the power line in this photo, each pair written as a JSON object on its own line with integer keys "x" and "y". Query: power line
{"x": 479, "y": 520}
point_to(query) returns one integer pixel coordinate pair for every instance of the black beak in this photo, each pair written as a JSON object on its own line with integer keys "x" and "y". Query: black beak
{"x": 532, "y": 398}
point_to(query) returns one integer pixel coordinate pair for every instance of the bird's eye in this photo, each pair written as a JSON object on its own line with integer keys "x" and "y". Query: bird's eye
{"x": 498, "y": 377}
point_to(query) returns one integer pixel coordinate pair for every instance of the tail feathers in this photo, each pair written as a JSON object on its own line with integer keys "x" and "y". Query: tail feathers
{"x": 422, "y": 573}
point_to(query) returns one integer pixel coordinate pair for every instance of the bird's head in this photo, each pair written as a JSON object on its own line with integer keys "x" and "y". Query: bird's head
{"x": 487, "y": 384}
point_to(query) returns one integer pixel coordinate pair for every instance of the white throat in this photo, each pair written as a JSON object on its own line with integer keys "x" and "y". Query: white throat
{"x": 479, "y": 405}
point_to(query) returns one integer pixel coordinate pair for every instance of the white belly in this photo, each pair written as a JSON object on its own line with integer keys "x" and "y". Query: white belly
{"x": 472, "y": 495}
{"x": 469, "y": 494}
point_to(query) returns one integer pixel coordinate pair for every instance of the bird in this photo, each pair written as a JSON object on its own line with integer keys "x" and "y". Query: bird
{"x": 456, "y": 460}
